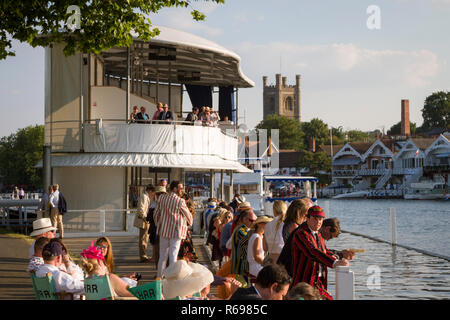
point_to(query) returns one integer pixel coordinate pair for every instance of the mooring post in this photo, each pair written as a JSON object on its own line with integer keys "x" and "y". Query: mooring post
{"x": 393, "y": 220}
{"x": 345, "y": 283}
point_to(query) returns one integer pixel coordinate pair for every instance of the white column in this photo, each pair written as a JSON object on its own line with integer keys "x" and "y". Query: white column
{"x": 345, "y": 279}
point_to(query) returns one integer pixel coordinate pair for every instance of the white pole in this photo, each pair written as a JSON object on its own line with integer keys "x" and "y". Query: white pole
{"x": 393, "y": 226}
{"x": 345, "y": 283}
{"x": 102, "y": 221}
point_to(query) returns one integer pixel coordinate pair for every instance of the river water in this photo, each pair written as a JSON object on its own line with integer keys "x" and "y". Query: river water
{"x": 392, "y": 272}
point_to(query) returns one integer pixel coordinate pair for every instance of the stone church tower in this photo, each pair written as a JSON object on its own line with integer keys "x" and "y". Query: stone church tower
{"x": 282, "y": 99}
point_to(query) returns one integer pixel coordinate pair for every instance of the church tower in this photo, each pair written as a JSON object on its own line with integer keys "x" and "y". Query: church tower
{"x": 282, "y": 99}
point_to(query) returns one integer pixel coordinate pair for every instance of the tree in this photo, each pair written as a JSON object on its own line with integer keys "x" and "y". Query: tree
{"x": 436, "y": 111}
{"x": 20, "y": 152}
{"x": 396, "y": 129}
{"x": 317, "y": 129}
{"x": 85, "y": 26}
{"x": 290, "y": 134}
{"x": 315, "y": 161}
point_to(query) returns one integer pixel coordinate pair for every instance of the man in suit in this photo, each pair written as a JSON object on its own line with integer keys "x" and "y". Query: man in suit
{"x": 166, "y": 115}
{"x": 272, "y": 283}
{"x": 310, "y": 257}
{"x": 331, "y": 228}
{"x": 142, "y": 116}
{"x": 172, "y": 218}
{"x": 140, "y": 221}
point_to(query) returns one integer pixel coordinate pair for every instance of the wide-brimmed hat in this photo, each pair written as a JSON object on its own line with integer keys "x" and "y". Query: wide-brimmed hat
{"x": 41, "y": 226}
{"x": 316, "y": 211}
{"x": 263, "y": 219}
{"x": 183, "y": 279}
{"x": 240, "y": 199}
{"x": 244, "y": 205}
{"x": 160, "y": 189}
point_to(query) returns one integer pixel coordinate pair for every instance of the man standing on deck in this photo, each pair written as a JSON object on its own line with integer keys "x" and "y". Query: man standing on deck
{"x": 172, "y": 218}
{"x": 55, "y": 214}
{"x": 141, "y": 222}
{"x": 310, "y": 257}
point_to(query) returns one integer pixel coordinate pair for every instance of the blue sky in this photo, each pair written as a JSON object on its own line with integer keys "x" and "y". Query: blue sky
{"x": 351, "y": 76}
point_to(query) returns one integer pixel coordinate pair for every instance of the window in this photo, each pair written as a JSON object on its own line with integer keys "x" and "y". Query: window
{"x": 289, "y": 104}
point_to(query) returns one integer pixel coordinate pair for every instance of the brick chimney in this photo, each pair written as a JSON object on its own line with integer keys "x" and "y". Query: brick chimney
{"x": 406, "y": 129}
{"x": 312, "y": 144}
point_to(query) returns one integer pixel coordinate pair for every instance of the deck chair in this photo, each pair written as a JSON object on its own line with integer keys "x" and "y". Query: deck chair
{"x": 98, "y": 288}
{"x": 44, "y": 288}
{"x": 149, "y": 291}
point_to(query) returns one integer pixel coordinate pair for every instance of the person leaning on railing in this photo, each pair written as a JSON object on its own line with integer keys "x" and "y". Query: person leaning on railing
{"x": 142, "y": 117}
{"x": 166, "y": 115}
{"x": 133, "y": 115}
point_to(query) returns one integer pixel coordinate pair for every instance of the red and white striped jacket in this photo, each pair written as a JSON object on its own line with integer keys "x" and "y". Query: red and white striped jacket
{"x": 172, "y": 216}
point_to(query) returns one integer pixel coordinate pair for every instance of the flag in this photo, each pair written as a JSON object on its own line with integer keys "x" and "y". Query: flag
{"x": 417, "y": 152}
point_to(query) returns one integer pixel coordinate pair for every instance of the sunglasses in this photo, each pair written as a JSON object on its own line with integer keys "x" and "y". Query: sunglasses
{"x": 102, "y": 246}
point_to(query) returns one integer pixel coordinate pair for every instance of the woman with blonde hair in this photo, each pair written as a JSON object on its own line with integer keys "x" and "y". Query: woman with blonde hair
{"x": 295, "y": 216}
{"x": 273, "y": 237}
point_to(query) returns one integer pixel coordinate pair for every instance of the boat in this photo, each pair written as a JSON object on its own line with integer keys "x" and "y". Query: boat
{"x": 427, "y": 190}
{"x": 353, "y": 195}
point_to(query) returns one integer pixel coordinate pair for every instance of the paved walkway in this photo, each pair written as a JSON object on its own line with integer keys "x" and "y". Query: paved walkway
{"x": 15, "y": 283}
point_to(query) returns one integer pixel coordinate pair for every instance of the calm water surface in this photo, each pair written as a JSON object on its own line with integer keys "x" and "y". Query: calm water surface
{"x": 403, "y": 273}
{"x": 421, "y": 224}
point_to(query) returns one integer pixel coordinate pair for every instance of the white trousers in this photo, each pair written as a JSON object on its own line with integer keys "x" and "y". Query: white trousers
{"x": 167, "y": 248}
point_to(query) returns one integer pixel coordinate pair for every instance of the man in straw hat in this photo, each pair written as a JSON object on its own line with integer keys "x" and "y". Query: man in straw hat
{"x": 41, "y": 228}
{"x": 140, "y": 221}
{"x": 172, "y": 218}
{"x": 310, "y": 256}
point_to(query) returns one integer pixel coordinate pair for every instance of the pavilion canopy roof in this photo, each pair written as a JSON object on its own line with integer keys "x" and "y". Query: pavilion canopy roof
{"x": 178, "y": 57}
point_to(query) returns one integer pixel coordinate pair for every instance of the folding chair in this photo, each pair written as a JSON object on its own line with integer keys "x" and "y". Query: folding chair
{"x": 98, "y": 288}
{"x": 149, "y": 291}
{"x": 44, "y": 288}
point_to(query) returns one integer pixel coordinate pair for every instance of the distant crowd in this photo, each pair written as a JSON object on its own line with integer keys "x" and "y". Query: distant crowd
{"x": 205, "y": 116}
{"x": 258, "y": 257}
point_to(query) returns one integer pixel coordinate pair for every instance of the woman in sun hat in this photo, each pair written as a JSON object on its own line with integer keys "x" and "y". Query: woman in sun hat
{"x": 183, "y": 279}
{"x": 255, "y": 250}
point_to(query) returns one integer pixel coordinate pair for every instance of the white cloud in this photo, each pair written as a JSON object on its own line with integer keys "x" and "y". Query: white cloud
{"x": 342, "y": 65}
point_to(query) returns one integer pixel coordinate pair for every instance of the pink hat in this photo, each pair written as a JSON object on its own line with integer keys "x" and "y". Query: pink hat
{"x": 92, "y": 253}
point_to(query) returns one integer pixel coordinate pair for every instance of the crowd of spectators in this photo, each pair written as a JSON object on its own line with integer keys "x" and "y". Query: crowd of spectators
{"x": 204, "y": 116}
{"x": 258, "y": 257}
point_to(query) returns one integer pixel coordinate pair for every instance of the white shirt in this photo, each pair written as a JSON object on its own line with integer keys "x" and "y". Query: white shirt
{"x": 274, "y": 238}
{"x": 253, "y": 266}
{"x": 54, "y": 199}
{"x": 62, "y": 280}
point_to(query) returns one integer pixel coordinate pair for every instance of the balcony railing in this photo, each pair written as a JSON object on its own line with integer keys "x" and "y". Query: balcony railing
{"x": 120, "y": 136}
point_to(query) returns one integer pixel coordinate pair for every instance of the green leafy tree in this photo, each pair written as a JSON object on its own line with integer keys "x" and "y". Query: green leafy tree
{"x": 436, "y": 111}
{"x": 85, "y": 26}
{"x": 20, "y": 152}
{"x": 290, "y": 132}
{"x": 315, "y": 161}
{"x": 397, "y": 128}
{"x": 317, "y": 129}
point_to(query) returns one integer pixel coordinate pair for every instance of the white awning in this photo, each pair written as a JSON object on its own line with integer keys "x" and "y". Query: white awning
{"x": 198, "y": 162}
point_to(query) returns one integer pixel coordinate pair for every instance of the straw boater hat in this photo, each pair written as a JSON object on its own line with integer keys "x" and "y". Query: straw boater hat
{"x": 263, "y": 219}
{"x": 183, "y": 279}
{"x": 244, "y": 205}
{"x": 160, "y": 189}
{"x": 41, "y": 226}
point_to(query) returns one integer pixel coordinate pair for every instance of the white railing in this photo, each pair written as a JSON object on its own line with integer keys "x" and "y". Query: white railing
{"x": 170, "y": 138}
{"x": 103, "y": 221}
{"x": 345, "y": 283}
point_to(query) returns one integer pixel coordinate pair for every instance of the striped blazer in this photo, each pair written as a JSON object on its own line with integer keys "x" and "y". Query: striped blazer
{"x": 172, "y": 216}
{"x": 307, "y": 254}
